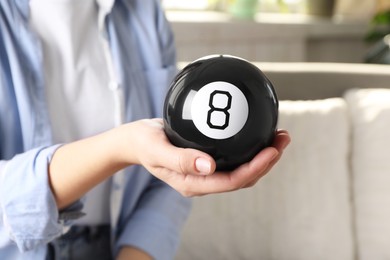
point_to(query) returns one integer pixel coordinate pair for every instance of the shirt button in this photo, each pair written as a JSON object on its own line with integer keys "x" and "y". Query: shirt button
{"x": 113, "y": 85}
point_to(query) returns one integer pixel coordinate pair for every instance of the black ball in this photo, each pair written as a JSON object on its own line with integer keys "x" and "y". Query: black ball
{"x": 222, "y": 105}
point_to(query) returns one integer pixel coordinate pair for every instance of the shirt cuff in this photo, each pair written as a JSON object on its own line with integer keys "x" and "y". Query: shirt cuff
{"x": 29, "y": 210}
{"x": 156, "y": 225}
{"x": 147, "y": 232}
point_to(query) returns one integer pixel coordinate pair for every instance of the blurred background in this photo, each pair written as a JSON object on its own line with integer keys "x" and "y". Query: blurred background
{"x": 329, "y": 196}
{"x": 282, "y": 30}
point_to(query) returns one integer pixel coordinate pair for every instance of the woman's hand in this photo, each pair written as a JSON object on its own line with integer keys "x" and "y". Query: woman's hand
{"x": 79, "y": 166}
{"x": 192, "y": 172}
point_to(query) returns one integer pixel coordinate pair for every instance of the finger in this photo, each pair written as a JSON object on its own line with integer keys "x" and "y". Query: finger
{"x": 261, "y": 165}
{"x": 282, "y": 140}
{"x": 185, "y": 160}
{"x": 267, "y": 170}
{"x": 281, "y": 131}
{"x": 229, "y": 181}
{"x": 202, "y": 164}
{"x": 182, "y": 160}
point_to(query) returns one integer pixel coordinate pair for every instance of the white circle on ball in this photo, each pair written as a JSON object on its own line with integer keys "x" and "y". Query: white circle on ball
{"x": 219, "y": 110}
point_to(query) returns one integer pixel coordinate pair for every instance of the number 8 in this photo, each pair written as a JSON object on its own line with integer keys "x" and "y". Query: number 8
{"x": 215, "y": 109}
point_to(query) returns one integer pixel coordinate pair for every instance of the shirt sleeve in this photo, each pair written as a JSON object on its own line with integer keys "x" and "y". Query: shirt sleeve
{"x": 28, "y": 208}
{"x": 155, "y": 225}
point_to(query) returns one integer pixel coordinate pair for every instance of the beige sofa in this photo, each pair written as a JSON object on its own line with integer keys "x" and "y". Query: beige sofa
{"x": 329, "y": 197}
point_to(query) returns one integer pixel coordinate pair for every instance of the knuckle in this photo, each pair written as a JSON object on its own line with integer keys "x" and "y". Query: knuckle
{"x": 184, "y": 164}
{"x": 187, "y": 193}
{"x": 181, "y": 163}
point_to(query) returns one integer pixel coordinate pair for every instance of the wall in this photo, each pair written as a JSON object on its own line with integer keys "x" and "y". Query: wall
{"x": 270, "y": 37}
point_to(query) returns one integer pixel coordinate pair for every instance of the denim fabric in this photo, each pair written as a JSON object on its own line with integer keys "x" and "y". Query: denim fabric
{"x": 82, "y": 242}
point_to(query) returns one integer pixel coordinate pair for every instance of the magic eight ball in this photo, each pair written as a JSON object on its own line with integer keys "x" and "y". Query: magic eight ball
{"x": 224, "y": 106}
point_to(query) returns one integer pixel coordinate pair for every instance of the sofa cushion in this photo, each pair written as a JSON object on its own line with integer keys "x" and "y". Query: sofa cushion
{"x": 301, "y": 210}
{"x": 370, "y": 114}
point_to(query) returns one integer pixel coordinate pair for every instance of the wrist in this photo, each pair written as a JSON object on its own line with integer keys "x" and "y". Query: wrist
{"x": 77, "y": 167}
{"x": 122, "y": 144}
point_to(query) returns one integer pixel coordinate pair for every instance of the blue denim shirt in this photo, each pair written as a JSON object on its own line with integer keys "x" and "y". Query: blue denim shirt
{"x": 146, "y": 213}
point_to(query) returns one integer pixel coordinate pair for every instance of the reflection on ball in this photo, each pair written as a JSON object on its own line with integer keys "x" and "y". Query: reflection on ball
{"x": 224, "y": 106}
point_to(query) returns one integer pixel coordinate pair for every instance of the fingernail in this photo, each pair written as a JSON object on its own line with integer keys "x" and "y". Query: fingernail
{"x": 203, "y": 166}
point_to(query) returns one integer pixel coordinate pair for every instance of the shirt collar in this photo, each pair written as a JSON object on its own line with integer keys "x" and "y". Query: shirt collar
{"x": 105, "y": 7}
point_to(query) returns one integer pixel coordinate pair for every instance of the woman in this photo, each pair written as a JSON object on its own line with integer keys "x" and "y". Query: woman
{"x": 78, "y": 82}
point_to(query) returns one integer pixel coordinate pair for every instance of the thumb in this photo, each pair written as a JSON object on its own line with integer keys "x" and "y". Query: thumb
{"x": 191, "y": 161}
